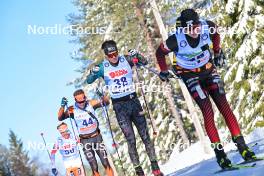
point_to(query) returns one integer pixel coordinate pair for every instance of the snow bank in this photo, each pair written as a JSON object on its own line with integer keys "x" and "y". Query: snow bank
{"x": 193, "y": 161}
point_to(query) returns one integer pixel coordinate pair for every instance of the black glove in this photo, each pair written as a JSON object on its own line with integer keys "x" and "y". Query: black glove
{"x": 54, "y": 171}
{"x": 164, "y": 75}
{"x": 219, "y": 59}
{"x": 64, "y": 102}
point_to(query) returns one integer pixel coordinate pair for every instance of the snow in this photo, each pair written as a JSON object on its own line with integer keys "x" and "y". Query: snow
{"x": 229, "y": 71}
{"x": 240, "y": 73}
{"x": 193, "y": 162}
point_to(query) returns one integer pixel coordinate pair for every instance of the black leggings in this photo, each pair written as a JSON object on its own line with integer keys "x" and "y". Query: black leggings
{"x": 92, "y": 145}
{"x": 128, "y": 112}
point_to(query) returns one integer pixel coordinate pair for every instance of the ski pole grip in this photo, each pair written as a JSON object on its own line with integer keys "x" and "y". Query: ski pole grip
{"x": 135, "y": 60}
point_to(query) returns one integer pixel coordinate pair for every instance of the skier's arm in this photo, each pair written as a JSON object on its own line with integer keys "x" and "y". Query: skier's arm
{"x": 215, "y": 37}
{"x": 62, "y": 115}
{"x": 165, "y": 48}
{"x": 96, "y": 72}
{"x": 97, "y": 103}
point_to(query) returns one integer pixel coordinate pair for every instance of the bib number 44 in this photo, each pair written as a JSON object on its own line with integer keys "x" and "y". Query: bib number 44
{"x": 89, "y": 122}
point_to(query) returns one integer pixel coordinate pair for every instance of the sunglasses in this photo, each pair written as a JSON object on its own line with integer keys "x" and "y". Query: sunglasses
{"x": 81, "y": 102}
{"x": 65, "y": 132}
{"x": 112, "y": 54}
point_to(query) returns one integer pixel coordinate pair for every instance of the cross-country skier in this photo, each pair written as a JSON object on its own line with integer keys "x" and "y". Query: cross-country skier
{"x": 195, "y": 65}
{"x": 116, "y": 70}
{"x": 83, "y": 113}
{"x": 68, "y": 148}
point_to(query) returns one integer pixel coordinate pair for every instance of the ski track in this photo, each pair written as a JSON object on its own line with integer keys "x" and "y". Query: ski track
{"x": 209, "y": 167}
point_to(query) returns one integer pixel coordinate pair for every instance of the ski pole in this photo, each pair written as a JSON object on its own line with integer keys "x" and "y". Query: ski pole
{"x": 144, "y": 98}
{"x": 101, "y": 95}
{"x": 154, "y": 71}
{"x": 44, "y": 141}
{"x": 76, "y": 138}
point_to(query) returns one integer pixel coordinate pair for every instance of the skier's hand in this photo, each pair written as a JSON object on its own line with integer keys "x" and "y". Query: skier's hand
{"x": 137, "y": 58}
{"x": 54, "y": 171}
{"x": 70, "y": 111}
{"x": 95, "y": 69}
{"x": 219, "y": 59}
{"x": 164, "y": 75}
{"x": 132, "y": 52}
{"x": 64, "y": 102}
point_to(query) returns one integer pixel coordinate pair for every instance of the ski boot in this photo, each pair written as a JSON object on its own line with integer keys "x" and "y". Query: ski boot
{"x": 243, "y": 149}
{"x": 139, "y": 171}
{"x": 155, "y": 169}
{"x": 221, "y": 157}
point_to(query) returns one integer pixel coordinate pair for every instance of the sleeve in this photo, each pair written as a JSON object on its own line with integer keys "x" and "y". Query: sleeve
{"x": 172, "y": 43}
{"x": 165, "y": 48}
{"x": 96, "y": 72}
{"x": 215, "y": 37}
{"x": 63, "y": 116}
{"x": 69, "y": 113}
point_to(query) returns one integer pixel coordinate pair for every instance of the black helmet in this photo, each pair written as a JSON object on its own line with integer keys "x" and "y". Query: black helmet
{"x": 109, "y": 46}
{"x": 189, "y": 17}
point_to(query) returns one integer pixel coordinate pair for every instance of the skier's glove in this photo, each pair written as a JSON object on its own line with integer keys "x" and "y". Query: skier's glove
{"x": 64, "y": 102}
{"x": 164, "y": 75}
{"x": 95, "y": 69}
{"x": 54, "y": 171}
{"x": 219, "y": 59}
{"x": 132, "y": 52}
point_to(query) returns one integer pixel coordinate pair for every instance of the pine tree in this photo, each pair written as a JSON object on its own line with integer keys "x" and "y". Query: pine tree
{"x": 4, "y": 165}
{"x": 243, "y": 42}
{"x": 18, "y": 157}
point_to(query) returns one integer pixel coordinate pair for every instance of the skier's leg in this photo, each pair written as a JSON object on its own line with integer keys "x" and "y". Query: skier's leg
{"x": 200, "y": 96}
{"x": 123, "y": 112}
{"x": 101, "y": 152}
{"x": 141, "y": 124}
{"x": 216, "y": 90}
{"x": 90, "y": 155}
{"x": 215, "y": 87}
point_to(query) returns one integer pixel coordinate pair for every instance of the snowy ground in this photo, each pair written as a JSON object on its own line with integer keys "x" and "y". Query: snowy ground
{"x": 193, "y": 161}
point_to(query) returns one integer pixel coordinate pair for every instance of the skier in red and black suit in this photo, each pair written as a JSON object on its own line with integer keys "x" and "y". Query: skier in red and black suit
{"x": 196, "y": 67}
